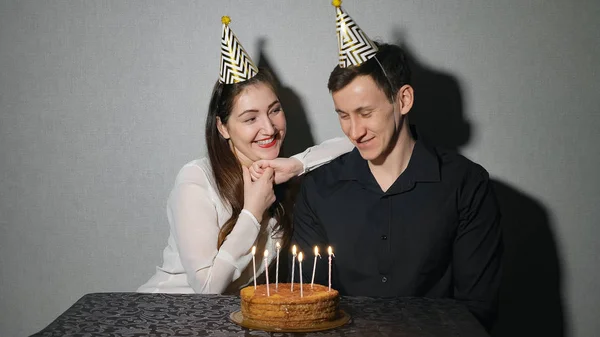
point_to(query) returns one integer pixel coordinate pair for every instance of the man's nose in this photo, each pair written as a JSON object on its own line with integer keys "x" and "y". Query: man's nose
{"x": 357, "y": 128}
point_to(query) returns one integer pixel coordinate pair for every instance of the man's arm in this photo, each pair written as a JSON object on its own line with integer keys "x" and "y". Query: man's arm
{"x": 478, "y": 247}
{"x": 309, "y": 232}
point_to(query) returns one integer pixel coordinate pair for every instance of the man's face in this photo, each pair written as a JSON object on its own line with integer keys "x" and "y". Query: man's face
{"x": 367, "y": 117}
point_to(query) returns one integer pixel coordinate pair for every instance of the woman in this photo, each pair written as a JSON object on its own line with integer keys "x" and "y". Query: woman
{"x": 216, "y": 212}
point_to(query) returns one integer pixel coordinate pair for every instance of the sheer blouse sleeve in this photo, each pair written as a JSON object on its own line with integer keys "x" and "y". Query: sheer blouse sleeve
{"x": 193, "y": 214}
{"x": 323, "y": 153}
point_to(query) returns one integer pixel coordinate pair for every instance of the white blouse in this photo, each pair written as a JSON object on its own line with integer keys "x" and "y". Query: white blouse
{"x": 191, "y": 261}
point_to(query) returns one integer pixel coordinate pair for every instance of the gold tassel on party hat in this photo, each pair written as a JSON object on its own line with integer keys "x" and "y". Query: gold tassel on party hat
{"x": 236, "y": 65}
{"x": 355, "y": 47}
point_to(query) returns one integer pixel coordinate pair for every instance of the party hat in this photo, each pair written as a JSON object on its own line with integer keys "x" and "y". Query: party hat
{"x": 354, "y": 45}
{"x": 236, "y": 65}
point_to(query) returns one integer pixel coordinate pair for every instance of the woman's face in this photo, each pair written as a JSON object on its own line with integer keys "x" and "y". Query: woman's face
{"x": 256, "y": 125}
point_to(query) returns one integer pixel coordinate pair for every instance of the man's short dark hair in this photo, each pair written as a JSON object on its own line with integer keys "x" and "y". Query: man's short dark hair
{"x": 392, "y": 59}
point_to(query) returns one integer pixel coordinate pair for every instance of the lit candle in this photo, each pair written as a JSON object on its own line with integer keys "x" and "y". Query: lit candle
{"x": 277, "y": 267}
{"x": 267, "y": 270}
{"x": 330, "y": 251}
{"x": 300, "y": 256}
{"x": 293, "y": 265}
{"x": 312, "y": 281}
{"x": 254, "y": 264}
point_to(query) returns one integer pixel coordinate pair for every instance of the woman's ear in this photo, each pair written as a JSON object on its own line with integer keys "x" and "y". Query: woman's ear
{"x": 222, "y": 128}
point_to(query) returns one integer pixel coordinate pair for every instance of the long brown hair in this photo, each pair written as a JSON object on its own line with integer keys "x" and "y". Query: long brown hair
{"x": 226, "y": 167}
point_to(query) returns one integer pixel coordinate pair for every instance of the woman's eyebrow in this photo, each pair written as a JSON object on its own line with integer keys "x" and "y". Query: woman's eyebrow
{"x": 256, "y": 110}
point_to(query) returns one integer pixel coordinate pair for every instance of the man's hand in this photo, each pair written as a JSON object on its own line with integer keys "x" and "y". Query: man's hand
{"x": 284, "y": 168}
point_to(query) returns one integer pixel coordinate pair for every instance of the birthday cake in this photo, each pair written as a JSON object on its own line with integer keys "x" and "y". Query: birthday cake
{"x": 285, "y": 308}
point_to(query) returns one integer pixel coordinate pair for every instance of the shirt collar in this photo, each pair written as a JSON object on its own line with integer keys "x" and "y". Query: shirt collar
{"x": 423, "y": 167}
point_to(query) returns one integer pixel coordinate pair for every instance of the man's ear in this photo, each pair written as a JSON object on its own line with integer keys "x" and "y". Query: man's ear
{"x": 405, "y": 98}
{"x": 222, "y": 128}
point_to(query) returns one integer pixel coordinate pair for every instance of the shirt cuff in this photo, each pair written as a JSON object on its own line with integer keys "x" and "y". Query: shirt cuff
{"x": 300, "y": 157}
{"x": 254, "y": 220}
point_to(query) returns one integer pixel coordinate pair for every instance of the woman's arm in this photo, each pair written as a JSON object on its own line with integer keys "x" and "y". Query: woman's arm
{"x": 323, "y": 153}
{"x": 310, "y": 159}
{"x": 193, "y": 215}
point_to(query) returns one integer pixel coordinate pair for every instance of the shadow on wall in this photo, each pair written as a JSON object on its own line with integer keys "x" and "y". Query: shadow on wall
{"x": 530, "y": 298}
{"x": 298, "y": 134}
{"x": 530, "y": 301}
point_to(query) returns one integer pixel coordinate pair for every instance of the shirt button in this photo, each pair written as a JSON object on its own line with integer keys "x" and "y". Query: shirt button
{"x": 384, "y": 237}
{"x": 384, "y": 279}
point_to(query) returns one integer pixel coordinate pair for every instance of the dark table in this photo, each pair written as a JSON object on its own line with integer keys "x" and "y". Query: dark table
{"x": 134, "y": 314}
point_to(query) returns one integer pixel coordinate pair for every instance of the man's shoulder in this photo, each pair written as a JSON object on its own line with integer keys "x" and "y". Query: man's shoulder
{"x": 454, "y": 164}
{"x": 329, "y": 173}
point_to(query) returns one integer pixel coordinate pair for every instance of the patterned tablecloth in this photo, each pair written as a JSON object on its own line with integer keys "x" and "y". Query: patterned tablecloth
{"x": 133, "y": 314}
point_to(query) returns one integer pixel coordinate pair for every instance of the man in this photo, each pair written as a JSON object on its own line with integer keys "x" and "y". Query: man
{"x": 403, "y": 218}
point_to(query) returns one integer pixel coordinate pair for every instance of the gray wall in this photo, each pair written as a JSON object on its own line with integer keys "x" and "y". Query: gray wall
{"x": 101, "y": 103}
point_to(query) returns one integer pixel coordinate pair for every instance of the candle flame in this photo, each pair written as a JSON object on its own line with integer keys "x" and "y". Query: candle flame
{"x": 266, "y": 252}
{"x": 300, "y": 256}
{"x": 316, "y": 250}
{"x": 330, "y": 250}
{"x": 294, "y": 249}
{"x": 277, "y": 245}
{"x": 253, "y": 250}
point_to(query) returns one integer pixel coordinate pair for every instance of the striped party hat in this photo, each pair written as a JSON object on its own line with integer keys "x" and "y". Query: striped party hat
{"x": 354, "y": 45}
{"x": 236, "y": 65}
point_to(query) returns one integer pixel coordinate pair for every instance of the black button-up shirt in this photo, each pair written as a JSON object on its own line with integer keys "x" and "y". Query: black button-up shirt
{"x": 434, "y": 233}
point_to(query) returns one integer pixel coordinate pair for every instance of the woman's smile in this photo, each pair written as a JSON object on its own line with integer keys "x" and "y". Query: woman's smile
{"x": 267, "y": 143}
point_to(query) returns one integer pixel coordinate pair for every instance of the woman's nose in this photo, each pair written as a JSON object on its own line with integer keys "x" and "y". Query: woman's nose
{"x": 268, "y": 126}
